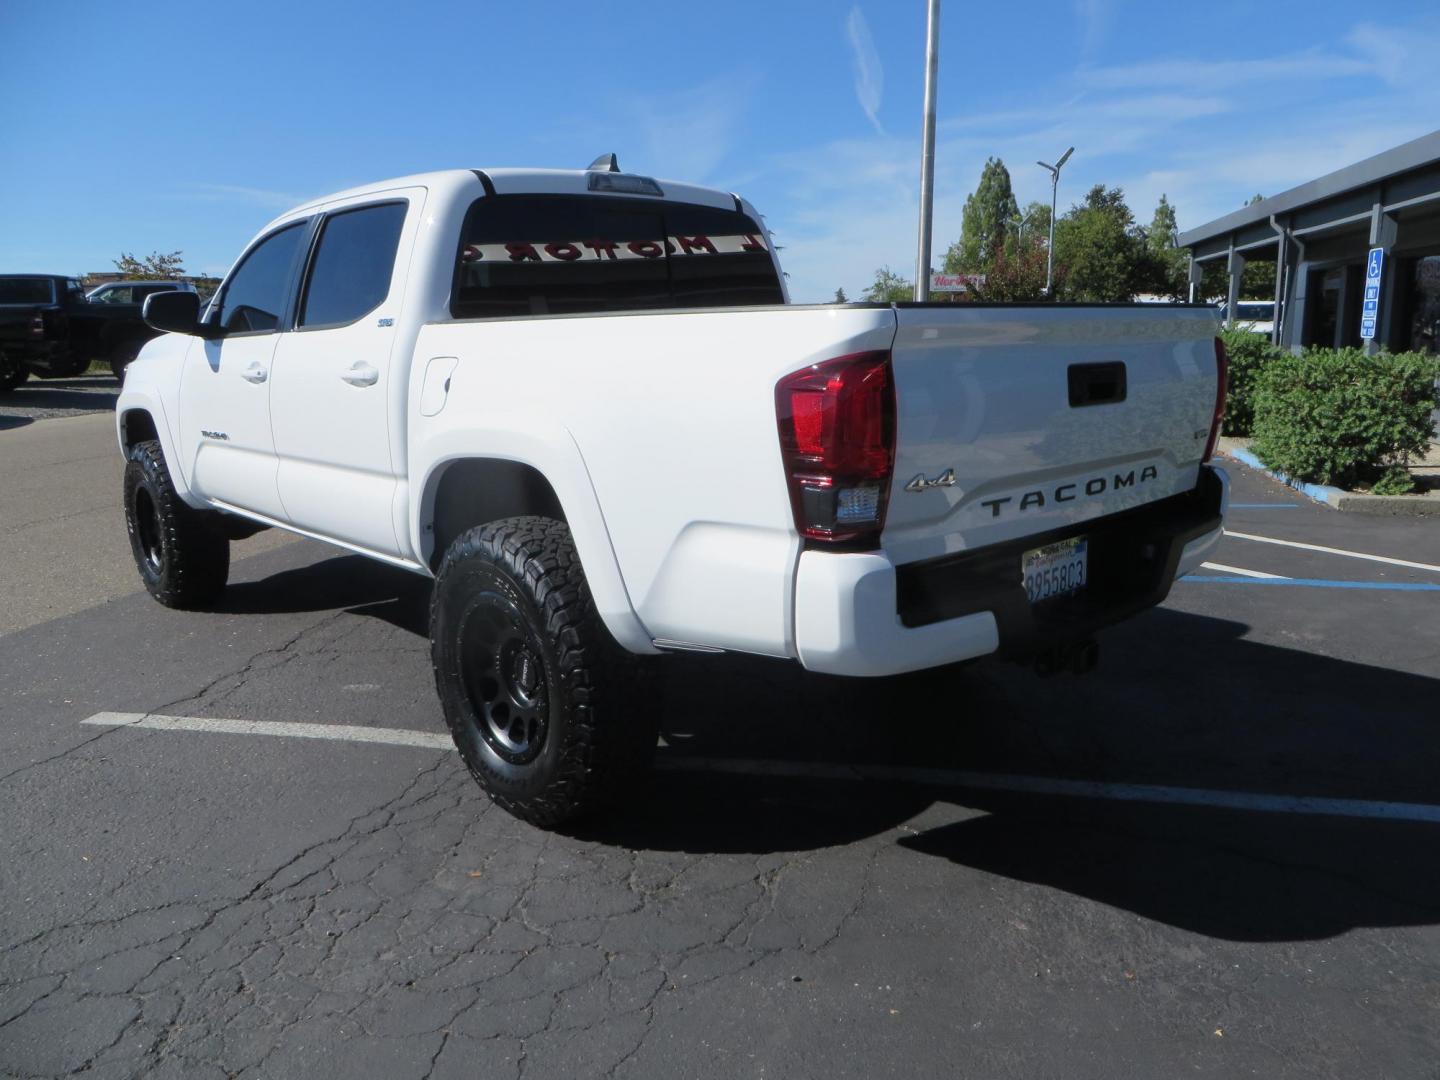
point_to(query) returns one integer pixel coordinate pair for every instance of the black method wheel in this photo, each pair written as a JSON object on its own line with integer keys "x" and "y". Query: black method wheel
{"x": 183, "y": 559}
{"x": 121, "y": 357}
{"x": 547, "y": 710}
{"x": 12, "y": 373}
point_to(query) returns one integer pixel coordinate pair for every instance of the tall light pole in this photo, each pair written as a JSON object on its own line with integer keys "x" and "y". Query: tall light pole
{"x": 1054, "y": 191}
{"x": 927, "y": 152}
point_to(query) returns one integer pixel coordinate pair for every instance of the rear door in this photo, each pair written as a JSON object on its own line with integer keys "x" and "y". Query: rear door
{"x": 338, "y": 394}
{"x": 225, "y": 384}
{"x": 1017, "y": 420}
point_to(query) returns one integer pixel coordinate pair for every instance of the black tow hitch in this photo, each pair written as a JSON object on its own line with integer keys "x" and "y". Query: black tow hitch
{"x": 1076, "y": 657}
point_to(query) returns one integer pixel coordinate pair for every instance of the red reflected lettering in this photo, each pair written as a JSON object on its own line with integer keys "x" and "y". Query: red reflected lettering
{"x": 646, "y": 249}
{"x": 690, "y": 244}
{"x": 564, "y": 252}
{"x": 523, "y": 253}
{"x": 603, "y": 249}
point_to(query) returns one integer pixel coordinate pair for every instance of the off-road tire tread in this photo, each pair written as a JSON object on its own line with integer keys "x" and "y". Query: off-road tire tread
{"x": 611, "y": 732}
{"x": 197, "y": 555}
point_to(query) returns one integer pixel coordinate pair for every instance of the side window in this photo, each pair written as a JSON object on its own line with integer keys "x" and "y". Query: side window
{"x": 350, "y": 273}
{"x": 120, "y": 294}
{"x": 254, "y": 297}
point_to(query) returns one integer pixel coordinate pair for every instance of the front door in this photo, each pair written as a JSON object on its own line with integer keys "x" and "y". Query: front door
{"x": 336, "y": 387}
{"x": 225, "y": 384}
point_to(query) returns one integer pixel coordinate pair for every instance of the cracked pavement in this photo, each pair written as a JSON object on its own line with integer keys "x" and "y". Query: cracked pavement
{"x": 181, "y": 904}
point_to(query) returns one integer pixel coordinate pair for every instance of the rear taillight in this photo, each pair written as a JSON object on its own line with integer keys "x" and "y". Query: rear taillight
{"x": 37, "y": 325}
{"x": 837, "y": 439}
{"x": 1222, "y": 375}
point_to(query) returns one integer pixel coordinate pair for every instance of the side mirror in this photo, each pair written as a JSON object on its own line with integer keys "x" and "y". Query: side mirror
{"x": 175, "y": 313}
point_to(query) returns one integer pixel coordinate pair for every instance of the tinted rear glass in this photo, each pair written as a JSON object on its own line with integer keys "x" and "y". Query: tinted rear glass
{"x": 563, "y": 254}
{"x": 1259, "y": 312}
{"x": 26, "y": 291}
{"x": 351, "y": 271}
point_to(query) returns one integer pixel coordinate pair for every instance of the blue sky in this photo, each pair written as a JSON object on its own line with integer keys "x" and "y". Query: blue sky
{"x": 164, "y": 126}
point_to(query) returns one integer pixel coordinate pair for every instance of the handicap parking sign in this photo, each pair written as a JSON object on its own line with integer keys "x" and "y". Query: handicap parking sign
{"x": 1370, "y": 309}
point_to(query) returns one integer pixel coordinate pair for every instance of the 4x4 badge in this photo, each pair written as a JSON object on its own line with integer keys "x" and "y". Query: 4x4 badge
{"x": 945, "y": 479}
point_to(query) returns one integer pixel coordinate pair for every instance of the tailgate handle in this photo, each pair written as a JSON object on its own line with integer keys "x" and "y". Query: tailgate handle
{"x": 1096, "y": 384}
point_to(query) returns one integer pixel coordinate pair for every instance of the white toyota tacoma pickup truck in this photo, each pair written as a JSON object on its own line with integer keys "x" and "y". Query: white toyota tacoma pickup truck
{"x": 581, "y": 402}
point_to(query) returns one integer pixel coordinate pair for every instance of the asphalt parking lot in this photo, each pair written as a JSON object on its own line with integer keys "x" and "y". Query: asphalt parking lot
{"x": 237, "y": 845}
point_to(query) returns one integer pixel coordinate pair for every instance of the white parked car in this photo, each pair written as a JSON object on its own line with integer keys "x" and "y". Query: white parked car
{"x": 1254, "y": 315}
{"x": 582, "y": 404}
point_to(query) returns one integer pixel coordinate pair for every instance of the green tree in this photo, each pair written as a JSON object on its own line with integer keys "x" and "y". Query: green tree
{"x": 1168, "y": 269}
{"x": 840, "y": 297}
{"x": 1035, "y": 224}
{"x": 1102, "y": 249}
{"x": 155, "y": 266}
{"x": 888, "y": 288}
{"x": 988, "y": 219}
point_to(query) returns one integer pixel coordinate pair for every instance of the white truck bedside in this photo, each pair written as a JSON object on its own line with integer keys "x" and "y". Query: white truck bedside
{"x": 581, "y": 402}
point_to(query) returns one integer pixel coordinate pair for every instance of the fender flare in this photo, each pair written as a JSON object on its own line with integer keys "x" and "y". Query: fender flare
{"x": 552, "y": 452}
{"x": 141, "y": 399}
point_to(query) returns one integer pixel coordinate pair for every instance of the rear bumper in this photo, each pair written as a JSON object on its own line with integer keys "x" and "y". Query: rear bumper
{"x": 858, "y": 614}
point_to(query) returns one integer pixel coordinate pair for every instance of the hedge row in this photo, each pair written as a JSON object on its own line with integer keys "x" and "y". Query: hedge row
{"x": 1337, "y": 416}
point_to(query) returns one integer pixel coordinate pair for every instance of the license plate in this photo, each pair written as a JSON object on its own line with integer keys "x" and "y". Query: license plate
{"x": 1054, "y": 570}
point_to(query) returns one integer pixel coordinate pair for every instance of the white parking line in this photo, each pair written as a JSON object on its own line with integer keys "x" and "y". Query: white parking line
{"x": 951, "y": 778}
{"x": 1237, "y": 570}
{"x": 1334, "y": 551}
{"x": 341, "y": 732}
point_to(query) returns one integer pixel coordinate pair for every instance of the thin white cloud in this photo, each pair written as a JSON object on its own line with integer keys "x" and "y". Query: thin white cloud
{"x": 273, "y": 200}
{"x": 1094, "y": 16}
{"x": 869, "y": 72}
{"x": 1208, "y": 75}
{"x": 688, "y": 133}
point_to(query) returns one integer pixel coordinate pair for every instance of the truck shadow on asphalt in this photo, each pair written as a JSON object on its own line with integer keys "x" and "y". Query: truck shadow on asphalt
{"x": 1239, "y": 715}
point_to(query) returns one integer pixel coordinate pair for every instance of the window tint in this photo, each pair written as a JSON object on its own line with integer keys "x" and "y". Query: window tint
{"x": 119, "y": 294}
{"x": 26, "y": 291}
{"x": 540, "y": 255}
{"x": 254, "y": 299}
{"x": 350, "y": 274}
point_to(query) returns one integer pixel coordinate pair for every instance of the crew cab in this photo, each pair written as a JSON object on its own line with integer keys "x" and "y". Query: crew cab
{"x": 50, "y": 329}
{"x": 582, "y": 403}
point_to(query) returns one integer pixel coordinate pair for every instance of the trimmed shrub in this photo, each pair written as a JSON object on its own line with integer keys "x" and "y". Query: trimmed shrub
{"x": 1248, "y": 352}
{"x": 1337, "y": 416}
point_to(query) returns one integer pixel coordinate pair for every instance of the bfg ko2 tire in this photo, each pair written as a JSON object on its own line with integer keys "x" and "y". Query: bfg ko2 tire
{"x": 182, "y": 558}
{"x": 545, "y": 707}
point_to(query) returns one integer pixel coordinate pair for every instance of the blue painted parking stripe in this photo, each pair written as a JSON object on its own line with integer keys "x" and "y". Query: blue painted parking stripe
{"x": 1264, "y": 506}
{"x": 1314, "y": 583}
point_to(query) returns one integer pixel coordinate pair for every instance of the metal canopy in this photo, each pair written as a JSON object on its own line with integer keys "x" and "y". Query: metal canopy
{"x": 1416, "y": 154}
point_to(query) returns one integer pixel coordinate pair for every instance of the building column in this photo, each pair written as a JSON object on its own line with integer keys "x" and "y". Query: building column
{"x": 1235, "y": 264}
{"x": 1384, "y": 230}
{"x": 1196, "y": 278}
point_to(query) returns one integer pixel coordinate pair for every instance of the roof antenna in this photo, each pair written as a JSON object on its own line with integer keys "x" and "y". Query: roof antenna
{"x": 604, "y": 163}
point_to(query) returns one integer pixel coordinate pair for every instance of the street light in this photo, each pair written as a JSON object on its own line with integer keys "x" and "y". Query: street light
{"x": 1054, "y": 190}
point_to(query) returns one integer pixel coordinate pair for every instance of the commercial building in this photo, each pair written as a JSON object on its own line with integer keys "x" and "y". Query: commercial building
{"x": 1319, "y": 236}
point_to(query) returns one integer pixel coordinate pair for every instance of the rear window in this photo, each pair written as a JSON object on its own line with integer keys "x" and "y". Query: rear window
{"x": 27, "y": 291}
{"x": 565, "y": 254}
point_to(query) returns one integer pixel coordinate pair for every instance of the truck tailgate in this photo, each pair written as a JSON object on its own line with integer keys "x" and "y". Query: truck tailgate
{"x": 1015, "y": 421}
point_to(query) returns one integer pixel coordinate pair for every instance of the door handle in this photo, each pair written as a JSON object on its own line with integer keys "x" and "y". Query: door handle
{"x": 361, "y": 374}
{"x": 255, "y": 373}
